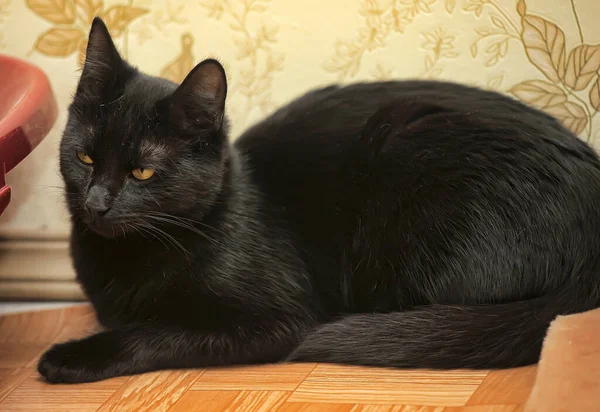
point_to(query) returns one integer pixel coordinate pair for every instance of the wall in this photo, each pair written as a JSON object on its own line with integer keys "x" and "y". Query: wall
{"x": 544, "y": 52}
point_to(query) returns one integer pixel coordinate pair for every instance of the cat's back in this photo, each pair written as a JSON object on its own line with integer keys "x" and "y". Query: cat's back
{"x": 461, "y": 169}
{"x": 309, "y": 141}
{"x": 340, "y": 111}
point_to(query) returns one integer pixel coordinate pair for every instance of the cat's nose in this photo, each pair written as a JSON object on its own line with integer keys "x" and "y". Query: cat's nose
{"x": 98, "y": 202}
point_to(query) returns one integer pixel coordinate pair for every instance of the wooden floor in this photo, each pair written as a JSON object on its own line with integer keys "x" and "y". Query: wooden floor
{"x": 282, "y": 388}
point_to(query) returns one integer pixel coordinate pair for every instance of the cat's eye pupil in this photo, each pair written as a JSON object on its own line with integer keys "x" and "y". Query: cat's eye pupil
{"x": 84, "y": 157}
{"x": 142, "y": 174}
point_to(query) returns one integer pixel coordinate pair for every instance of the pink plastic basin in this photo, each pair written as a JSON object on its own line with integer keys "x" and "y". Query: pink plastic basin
{"x": 28, "y": 111}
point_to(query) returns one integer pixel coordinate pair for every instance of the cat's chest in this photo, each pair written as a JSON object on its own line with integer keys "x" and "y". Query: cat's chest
{"x": 127, "y": 285}
{"x": 120, "y": 296}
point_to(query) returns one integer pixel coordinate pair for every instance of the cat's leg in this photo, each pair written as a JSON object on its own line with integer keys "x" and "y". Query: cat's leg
{"x": 147, "y": 347}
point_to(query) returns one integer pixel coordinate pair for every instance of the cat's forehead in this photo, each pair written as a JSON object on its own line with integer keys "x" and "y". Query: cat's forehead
{"x": 131, "y": 117}
{"x": 137, "y": 101}
{"x": 147, "y": 89}
{"x": 130, "y": 137}
{"x": 154, "y": 149}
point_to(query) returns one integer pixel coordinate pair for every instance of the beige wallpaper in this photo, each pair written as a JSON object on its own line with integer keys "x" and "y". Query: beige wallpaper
{"x": 545, "y": 52}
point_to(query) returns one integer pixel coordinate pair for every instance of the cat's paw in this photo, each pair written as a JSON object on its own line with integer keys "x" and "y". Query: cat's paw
{"x": 73, "y": 362}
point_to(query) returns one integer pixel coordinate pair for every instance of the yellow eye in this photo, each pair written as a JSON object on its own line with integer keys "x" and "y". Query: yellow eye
{"x": 84, "y": 158}
{"x": 142, "y": 174}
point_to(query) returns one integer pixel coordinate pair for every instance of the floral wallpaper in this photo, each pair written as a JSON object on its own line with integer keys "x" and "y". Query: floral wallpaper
{"x": 544, "y": 52}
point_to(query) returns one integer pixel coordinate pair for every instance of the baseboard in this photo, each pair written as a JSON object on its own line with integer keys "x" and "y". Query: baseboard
{"x": 37, "y": 269}
{"x": 40, "y": 290}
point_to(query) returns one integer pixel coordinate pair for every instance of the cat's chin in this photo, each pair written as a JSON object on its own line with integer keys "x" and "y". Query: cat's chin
{"x": 104, "y": 230}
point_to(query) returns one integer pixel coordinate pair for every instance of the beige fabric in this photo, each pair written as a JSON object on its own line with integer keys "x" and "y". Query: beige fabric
{"x": 568, "y": 377}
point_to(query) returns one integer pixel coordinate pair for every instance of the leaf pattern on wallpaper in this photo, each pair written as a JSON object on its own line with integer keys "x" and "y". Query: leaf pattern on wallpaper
{"x": 381, "y": 19}
{"x": 382, "y": 73}
{"x": 177, "y": 69}
{"x": 474, "y": 6}
{"x": 55, "y": 11}
{"x": 4, "y": 12}
{"x": 496, "y": 36}
{"x": 255, "y": 43}
{"x": 495, "y": 82}
{"x": 571, "y": 115}
{"x": 440, "y": 44}
{"x": 161, "y": 19}
{"x": 595, "y": 95}
{"x": 582, "y": 65}
{"x": 59, "y": 42}
{"x": 544, "y": 44}
{"x": 4, "y": 9}
{"x": 72, "y": 19}
{"x": 88, "y": 9}
{"x": 117, "y": 18}
{"x": 539, "y": 93}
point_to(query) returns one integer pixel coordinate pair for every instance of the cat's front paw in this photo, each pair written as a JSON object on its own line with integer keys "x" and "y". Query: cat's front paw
{"x": 74, "y": 362}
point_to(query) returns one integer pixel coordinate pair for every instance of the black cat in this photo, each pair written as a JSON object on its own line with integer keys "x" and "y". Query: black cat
{"x": 404, "y": 224}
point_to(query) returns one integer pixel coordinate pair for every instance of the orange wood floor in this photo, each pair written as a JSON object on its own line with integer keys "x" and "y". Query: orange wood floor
{"x": 282, "y": 388}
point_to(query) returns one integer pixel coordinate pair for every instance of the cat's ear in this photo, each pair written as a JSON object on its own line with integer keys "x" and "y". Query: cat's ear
{"x": 198, "y": 104}
{"x": 103, "y": 63}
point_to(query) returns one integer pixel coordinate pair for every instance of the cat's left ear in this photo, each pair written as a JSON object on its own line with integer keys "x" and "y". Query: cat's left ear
{"x": 198, "y": 104}
{"x": 103, "y": 65}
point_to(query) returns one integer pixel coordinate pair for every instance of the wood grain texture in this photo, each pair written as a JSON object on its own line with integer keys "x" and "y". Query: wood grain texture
{"x": 396, "y": 408}
{"x": 20, "y": 355}
{"x": 209, "y": 401}
{"x": 315, "y": 407}
{"x": 150, "y": 392}
{"x": 277, "y": 388}
{"x": 502, "y": 387}
{"x": 251, "y": 401}
{"x": 36, "y": 395}
{"x": 31, "y": 327}
{"x": 264, "y": 378}
{"x": 340, "y": 407}
{"x": 258, "y": 401}
{"x": 10, "y": 379}
{"x": 484, "y": 408}
{"x": 330, "y": 383}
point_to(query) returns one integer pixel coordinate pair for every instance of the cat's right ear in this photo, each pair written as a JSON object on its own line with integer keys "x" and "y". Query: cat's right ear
{"x": 198, "y": 104}
{"x": 103, "y": 63}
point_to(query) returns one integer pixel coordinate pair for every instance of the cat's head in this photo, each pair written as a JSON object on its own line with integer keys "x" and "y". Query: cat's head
{"x": 140, "y": 150}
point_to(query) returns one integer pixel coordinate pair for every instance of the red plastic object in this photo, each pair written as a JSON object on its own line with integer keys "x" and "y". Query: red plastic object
{"x": 28, "y": 111}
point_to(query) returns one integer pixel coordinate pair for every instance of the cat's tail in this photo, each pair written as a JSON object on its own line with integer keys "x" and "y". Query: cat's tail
{"x": 443, "y": 336}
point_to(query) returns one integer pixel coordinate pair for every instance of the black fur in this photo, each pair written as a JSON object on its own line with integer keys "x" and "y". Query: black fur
{"x": 403, "y": 224}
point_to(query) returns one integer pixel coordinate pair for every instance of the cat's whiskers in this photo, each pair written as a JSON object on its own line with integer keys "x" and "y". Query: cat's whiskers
{"x": 190, "y": 221}
{"x": 166, "y": 236}
{"x": 122, "y": 227}
{"x": 173, "y": 220}
{"x": 53, "y": 187}
{"x": 137, "y": 230}
{"x": 142, "y": 230}
{"x": 153, "y": 198}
